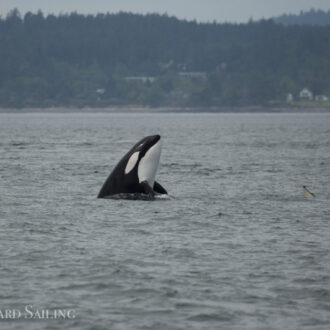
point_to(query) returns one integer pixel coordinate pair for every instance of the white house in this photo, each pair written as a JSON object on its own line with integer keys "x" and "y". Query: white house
{"x": 306, "y": 94}
{"x": 141, "y": 79}
{"x": 289, "y": 97}
{"x": 100, "y": 91}
{"x": 321, "y": 98}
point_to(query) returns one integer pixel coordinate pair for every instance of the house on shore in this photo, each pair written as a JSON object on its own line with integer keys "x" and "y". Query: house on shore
{"x": 321, "y": 98}
{"x": 289, "y": 97}
{"x": 306, "y": 94}
{"x": 140, "y": 79}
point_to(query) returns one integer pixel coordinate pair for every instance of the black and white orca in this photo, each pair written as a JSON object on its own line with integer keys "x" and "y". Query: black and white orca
{"x": 134, "y": 175}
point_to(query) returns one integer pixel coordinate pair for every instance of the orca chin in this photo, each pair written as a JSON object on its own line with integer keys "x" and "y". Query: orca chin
{"x": 134, "y": 175}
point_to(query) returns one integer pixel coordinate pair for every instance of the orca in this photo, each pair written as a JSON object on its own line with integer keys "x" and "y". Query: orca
{"x": 134, "y": 175}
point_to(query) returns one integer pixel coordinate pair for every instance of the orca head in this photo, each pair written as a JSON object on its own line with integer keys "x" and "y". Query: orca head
{"x": 145, "y": 155}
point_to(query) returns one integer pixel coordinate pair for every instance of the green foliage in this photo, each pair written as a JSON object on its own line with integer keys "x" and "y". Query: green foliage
{"x": 77, "y": 60}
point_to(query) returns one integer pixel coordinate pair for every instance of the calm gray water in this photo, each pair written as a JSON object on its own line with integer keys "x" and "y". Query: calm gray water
{"x": 236, "y": 246}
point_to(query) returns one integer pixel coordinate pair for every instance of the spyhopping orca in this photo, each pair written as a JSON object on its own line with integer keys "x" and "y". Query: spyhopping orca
{"x": 134, "y": 175}
{"x": 307, "y": 193}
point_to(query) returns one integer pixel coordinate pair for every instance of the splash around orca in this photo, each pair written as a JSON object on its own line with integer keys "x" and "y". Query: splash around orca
{"x": 134, "y": 175}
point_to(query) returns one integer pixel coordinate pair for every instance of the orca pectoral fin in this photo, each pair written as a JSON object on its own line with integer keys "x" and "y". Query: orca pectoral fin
{"x": 158, "y": 188}
{"x": 146, "y": 188}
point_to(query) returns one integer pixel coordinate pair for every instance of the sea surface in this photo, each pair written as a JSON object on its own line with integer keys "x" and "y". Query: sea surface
{"x": 236, "y": 245}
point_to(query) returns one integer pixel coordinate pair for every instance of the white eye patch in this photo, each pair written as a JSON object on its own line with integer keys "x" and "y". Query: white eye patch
{"x": 131, "y": 162}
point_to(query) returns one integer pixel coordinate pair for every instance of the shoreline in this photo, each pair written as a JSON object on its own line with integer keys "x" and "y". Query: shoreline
{"x": 141, "y": 109}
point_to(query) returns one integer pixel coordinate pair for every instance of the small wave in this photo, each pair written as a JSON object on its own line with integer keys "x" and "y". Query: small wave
{"x": 216, "y": 215}
{"x": 205, "y": 317}
{"x": 18, "y": 144}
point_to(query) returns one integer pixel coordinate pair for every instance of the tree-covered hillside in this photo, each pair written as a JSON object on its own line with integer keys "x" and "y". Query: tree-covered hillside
{"x": 77, "y": 60}
{"x": 312, "y": 17}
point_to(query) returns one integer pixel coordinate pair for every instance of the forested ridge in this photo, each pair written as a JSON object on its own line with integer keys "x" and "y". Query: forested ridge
{"x": 156, "y": 60}
{"x": 312, "y": 17}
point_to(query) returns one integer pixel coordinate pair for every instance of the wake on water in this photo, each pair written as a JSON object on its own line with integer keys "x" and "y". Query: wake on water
{"x": 138, "y": 196}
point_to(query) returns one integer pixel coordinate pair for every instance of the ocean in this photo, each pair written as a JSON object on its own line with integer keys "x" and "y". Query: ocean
{"x": 236, "y": 245}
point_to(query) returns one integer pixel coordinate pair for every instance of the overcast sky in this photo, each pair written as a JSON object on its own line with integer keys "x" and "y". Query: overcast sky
{"x": 201, "y": 10}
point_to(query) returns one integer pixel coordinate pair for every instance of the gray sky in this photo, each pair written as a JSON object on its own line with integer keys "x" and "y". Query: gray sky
{"x": 201, "y": 10}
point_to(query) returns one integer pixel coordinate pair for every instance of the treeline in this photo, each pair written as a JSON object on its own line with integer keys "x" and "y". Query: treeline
{"x": 312, "y": 17}
{"x": 111, "y": 59}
